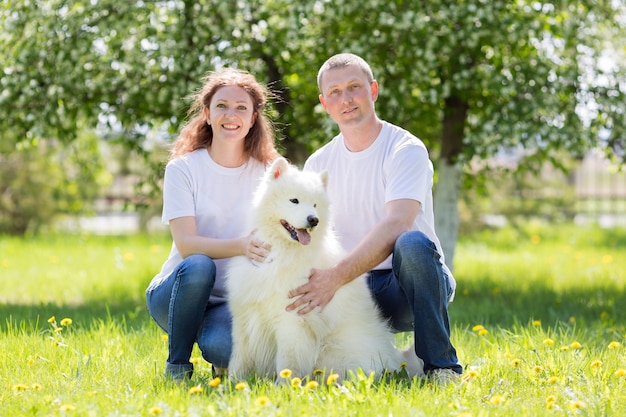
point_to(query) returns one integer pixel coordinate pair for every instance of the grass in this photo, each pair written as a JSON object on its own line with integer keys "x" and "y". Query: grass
{"x": 538, "y": 322}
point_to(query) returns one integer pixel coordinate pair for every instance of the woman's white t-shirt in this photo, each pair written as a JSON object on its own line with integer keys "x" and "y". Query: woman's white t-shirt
{"x": 218, "y": 197}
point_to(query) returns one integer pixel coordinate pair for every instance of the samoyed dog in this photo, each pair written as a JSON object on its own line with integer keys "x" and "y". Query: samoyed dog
{"x": 291, "y": 212}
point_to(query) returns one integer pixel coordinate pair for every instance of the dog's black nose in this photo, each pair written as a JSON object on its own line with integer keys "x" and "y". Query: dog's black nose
{"x": 313, "y": 220}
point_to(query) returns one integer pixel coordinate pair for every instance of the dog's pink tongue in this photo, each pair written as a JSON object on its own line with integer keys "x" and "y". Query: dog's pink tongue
{"x": 303, "y": 236}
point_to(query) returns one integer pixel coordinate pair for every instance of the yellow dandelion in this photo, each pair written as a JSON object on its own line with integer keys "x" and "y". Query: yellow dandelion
{"x": 552, "y": 380}
{"x": 564, "y": 348}
{"x": 604, "y": 315}
{"x": 311, "y": 385}
{"x": 596, "y": 364}
{"x": 477, "y": 328}
{"x": 471, "y": 374}
{"x": 577, "y": 405}
{"x": 52, "y": 319}
{"x": 215, "y": 382}
{"x": 548, "y": 342}
{"x": 164, "y": 337}
{"x": 285, "y": 373}
{"x": 128, "y": 256}
{"x": 154, "y": 248}
{"x": 155, "y": 410}
{"x": 402, "y": 365}
{"x": 516, "y": 362}
{"x": 36, "y": 386}
{"x": 320, "y": 372}
{"x": 66, "y": 322}
{"x": 551, "y": 399}
{"x": 20, "y": 387}
{"x": 332, "y": 378}
{"x": 496, "y": 291}
{"x": 535, "y": 239}
{"x": 263, "y": 400}
{"x": 241, "y": 386}
{"x": 31, "y": 360}
{"x": 194, "y": 360}
{"x": 536, "y": 323}
{"x": 496, "y": 399}
{"x": 90, "y": 393}
{"x": 465, "y": 415}
{"x": 197, "y": 389}
{"x": 508, "y": 355}
{"x": 620, "y": 373}
{"x": 296, "y": 382}
{"x": 538, "y": 369}
{"x": 575, "y": 345}
{"x": 572, "y": 319}
{"x": 68, "y": 407}
{"x": 614, "y": 345}
{"x": 607, "y": 259}
{"x": 483, "y": 332}
{"x": 58, "y": 330}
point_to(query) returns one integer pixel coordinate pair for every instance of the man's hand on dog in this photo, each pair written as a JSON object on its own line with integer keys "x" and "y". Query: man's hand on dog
{"x": 316, "y": 293}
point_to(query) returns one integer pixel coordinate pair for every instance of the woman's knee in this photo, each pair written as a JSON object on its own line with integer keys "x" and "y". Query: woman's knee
{"x": 198, "y": 270}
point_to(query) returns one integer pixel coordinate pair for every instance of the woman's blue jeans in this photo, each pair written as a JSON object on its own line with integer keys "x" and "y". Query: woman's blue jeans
{"x": 414, "y": 296}
{"x": 180, "y": 306}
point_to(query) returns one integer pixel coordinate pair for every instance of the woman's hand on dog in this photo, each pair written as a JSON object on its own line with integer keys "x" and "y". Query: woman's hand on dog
{"x": 256, "y": 250}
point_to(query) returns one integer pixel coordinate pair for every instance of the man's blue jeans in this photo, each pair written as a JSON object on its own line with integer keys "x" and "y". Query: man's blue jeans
{"x": 414, "y": 296}
{"x": 180, "y": 306}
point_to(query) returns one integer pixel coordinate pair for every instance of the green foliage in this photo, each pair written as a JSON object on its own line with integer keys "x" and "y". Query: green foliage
{"x": 518, "y": 72}
{"x": 42, "y": 179}
{"x": 537, "y": 322}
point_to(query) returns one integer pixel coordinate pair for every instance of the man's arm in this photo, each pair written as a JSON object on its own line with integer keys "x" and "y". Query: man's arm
{"x": 375, "y": 247}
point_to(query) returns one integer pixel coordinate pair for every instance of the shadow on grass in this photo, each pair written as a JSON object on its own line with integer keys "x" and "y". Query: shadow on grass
{"x": 482, "y": 303}
{"x": 487, "y": 303}
{"x": 130, "y": 311}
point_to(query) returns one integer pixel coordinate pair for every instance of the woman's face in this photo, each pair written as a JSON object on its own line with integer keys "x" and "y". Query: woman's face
{"x": 231, "y": 114}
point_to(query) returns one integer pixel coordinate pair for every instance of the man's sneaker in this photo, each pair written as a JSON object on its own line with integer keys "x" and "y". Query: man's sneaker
{"x": 444, "y": 376}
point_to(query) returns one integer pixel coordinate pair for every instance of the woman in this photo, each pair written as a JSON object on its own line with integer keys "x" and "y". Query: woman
{"x": 214, "y": 167}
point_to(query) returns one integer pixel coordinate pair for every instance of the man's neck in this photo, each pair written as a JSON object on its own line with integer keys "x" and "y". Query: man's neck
{"x": 359, "y": 138}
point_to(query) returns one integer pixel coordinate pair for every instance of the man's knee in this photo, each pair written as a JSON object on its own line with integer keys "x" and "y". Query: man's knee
{"x": 414, "y": 246}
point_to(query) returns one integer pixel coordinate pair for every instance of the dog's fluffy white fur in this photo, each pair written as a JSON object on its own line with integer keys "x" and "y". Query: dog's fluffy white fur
{"x": 291, "y": 212}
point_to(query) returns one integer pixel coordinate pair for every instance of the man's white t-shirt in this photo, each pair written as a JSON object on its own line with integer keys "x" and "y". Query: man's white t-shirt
{"x": 218, "y": 197}
{"x": 396, "y": 166}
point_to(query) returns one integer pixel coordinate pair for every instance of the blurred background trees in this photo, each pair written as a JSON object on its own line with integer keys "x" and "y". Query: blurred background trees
{"x": 470, "y": 78}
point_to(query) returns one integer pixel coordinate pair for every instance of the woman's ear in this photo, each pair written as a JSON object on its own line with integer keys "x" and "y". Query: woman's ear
{"x": 254, "y": 117}
{"x": 207, "y": 115}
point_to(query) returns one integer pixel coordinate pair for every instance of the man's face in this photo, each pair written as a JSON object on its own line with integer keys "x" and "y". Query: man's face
{"x": 347, "y": 95}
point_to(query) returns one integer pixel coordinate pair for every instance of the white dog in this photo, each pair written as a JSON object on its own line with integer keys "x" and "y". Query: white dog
{"x": 291, "y": 212}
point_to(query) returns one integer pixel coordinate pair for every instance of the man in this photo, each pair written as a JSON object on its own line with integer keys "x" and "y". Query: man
{"x": 380, "y": 187}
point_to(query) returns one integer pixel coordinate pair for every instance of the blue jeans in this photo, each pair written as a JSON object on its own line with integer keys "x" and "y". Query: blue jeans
{"x": 180, "y": 306}
{"x": 414, "y": 295}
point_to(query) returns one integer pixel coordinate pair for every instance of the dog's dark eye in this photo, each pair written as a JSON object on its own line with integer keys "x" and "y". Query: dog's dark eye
{"x": 294, "y": 201}
{"x": 315, "y": 205}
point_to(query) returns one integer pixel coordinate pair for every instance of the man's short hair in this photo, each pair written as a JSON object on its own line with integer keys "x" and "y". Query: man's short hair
{"x": 341, "y": 61}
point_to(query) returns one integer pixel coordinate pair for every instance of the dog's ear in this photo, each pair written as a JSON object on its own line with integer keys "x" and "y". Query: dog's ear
{"x": 324, "y": 177}
{"x": 278, "y": 167}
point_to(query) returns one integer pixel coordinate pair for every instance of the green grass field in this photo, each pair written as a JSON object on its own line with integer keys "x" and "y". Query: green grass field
{"x": 539, "y": 322}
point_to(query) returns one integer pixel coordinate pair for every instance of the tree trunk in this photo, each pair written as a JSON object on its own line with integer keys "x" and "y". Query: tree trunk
{"x": 446, "y": 212}
{"x": 447, "y": 191}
